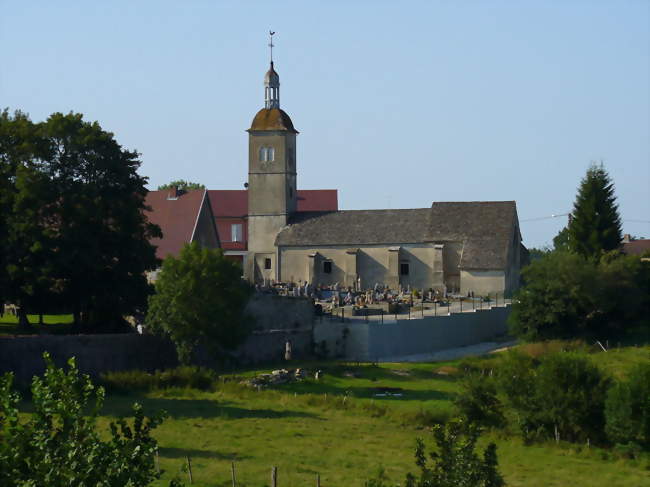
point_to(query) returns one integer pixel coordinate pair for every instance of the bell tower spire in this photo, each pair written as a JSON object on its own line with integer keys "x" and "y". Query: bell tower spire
{"x": 271, "y": 82}
{"x": 272, "y": 180}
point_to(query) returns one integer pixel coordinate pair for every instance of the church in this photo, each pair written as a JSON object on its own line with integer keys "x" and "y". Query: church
{"x": 458, "y": 247}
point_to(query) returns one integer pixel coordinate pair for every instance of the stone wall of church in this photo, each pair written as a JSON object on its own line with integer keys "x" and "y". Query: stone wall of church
{"x": 370, "y": 262}
{"x": 481, "y": 282}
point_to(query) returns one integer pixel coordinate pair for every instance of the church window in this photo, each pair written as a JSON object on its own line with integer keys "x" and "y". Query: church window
{"x": 267, "y": 263}
{"x": 267, "y": 154}
{"x": 236, "y": 232}
{"x": 327, "y": 267}
{"x": 404, "y": 268}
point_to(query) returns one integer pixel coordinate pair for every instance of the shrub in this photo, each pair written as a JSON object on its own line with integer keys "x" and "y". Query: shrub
{"x": 58, "y": 444}
{"x": 627, "y": 409}
{"x": 478, "y": 402}
{"x": 565, "y": 393}
{"x": 570, "y": 391}
{"x": 139, "y": 380}
{"x": 455, "y": 463}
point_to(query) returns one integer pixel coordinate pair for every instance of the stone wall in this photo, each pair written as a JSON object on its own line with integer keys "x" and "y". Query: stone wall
{"x": 95, "y": 354}
{"x": 272, "y": 312}
{"x": 278, "y": 320}
{"x": 376, "y": 341}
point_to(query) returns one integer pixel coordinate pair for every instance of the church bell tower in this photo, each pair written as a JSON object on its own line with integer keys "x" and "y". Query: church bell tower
{"x": 271, "y": 180}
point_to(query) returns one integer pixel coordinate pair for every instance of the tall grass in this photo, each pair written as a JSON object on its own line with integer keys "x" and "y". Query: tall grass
{"x": 179, "y": 377}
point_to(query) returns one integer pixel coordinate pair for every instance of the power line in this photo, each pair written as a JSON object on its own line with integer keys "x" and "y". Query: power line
{"x": 543, "y": 218}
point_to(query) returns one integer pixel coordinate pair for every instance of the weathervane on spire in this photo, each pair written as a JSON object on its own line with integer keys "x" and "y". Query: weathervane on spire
{"x": 271, "y": 33}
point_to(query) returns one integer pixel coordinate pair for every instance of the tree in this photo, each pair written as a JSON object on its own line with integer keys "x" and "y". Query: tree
{"x": 557, "y": 298}
{"x": 455, "y": 463}
{"x": 595, "y": 226}
{"x": 74, "y": 218}
{"x": 182, "y": 185}
{"x": 59, "y": 442}
{"x": 200, "y": 298}
{"x": 567, "y": 296}
{"x": 23, "y": 194}
{"x": 561, "y": 240}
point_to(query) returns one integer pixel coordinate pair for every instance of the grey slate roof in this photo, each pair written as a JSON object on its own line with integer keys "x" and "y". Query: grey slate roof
{"x": 484, "y": 227}
{"x": 355, "y": 227}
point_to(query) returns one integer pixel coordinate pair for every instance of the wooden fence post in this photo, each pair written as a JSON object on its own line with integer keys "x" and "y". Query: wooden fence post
{"x": 232, "y": 472}
{"x": 274, "y": 477}
{"x": 189, "y": 469}
{"x": 317, "y": 480}
{"x": 157, "y": 462}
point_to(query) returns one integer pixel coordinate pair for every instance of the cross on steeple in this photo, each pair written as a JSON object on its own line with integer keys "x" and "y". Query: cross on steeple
{"x": 271, "y": 33}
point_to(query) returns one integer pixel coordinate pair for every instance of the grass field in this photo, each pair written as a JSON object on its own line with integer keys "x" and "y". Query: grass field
{"x": 337, "y": 427}
{"x": 51, "y": 324}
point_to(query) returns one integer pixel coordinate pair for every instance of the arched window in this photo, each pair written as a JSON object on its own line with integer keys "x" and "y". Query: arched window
{"x": 262, "y": 154}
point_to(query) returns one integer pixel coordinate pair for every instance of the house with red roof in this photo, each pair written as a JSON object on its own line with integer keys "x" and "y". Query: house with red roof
{"x": 183, "y": 217}
{"x": 230, "y": 208}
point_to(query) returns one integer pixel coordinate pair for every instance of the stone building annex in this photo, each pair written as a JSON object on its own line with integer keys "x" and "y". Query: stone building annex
{"x": 454, "y": 246}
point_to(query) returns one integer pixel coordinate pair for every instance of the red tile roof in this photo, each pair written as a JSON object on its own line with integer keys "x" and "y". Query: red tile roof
{"x": 175, "y": 217}
{"x": 636, "y": 247}
{"x": 234, "y": 203}
{"x": 318, "y": 200}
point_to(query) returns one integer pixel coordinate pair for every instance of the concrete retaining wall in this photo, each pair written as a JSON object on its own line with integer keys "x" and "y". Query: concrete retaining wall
{"x": 375, "y": 341}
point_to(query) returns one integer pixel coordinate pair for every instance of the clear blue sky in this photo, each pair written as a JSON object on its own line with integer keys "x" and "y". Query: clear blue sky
{"x": 398, "y": 103}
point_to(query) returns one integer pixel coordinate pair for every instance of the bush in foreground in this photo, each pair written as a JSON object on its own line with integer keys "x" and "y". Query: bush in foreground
{"x": 58, "y": 444}
{"x": 627, "y": 409}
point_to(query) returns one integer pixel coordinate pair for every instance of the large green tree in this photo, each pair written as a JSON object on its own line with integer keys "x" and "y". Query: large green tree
{"x": 567, "y": 296}
{"x": 73, "y": 211}
{"x": 25, "y": 253}
{"x": 182, "y": 185}
{"x": 595, "y": 225}
{"x": 200, "y": 299}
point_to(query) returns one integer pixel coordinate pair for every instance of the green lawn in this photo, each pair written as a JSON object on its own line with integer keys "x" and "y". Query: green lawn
{"x": 308, "y": 428}
{"x": 51, "y": 324}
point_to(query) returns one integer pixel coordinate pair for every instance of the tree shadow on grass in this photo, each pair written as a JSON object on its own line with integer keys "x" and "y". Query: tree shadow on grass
{"x": 172, "y": 452}
{"x": 197, "y": 408}
{"x": 368, "y": 391}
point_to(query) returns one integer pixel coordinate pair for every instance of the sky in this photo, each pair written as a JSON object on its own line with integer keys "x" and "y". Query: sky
{"x": 398, "y": 104}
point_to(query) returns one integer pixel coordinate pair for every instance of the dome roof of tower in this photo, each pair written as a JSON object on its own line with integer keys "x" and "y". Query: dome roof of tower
{"x": 272, "y": 119}
{"x": 271, "y": 77}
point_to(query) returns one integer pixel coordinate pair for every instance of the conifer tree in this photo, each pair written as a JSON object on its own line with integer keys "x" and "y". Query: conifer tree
{"x": 595, "y": 224}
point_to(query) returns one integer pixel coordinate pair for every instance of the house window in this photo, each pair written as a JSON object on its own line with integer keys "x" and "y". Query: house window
{"x": 327, "y": 267}
{"x": 236, "y": 232}
{"x": 267, "y": 264}
{"x": 404, "y": 268}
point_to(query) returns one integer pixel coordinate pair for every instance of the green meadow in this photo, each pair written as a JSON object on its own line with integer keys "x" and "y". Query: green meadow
{"x": 339, "y": 428}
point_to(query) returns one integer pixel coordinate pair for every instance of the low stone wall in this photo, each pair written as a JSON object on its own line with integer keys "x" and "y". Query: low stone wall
{"x": 23, "y": 355}
{"x": 95, "y": 354}
{"x": 358, "y": 340}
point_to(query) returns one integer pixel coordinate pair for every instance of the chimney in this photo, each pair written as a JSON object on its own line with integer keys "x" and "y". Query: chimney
{"x": 172, "y": 193}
